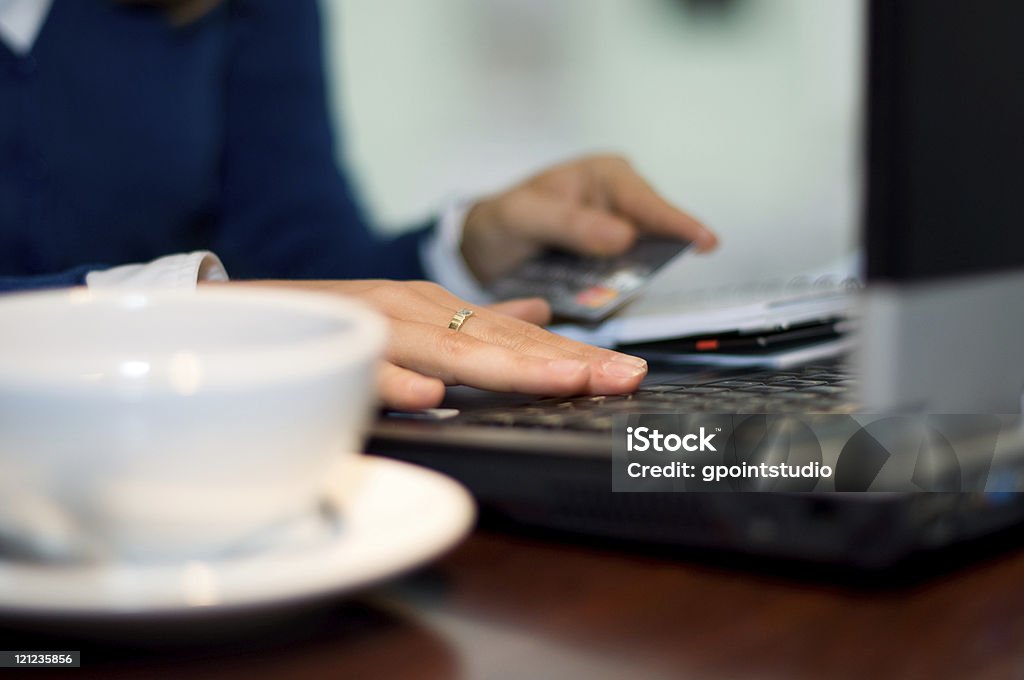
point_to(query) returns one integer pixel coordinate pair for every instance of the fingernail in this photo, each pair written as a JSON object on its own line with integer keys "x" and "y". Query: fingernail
{"x": 618, "y": 369}
{"x": 629, "y": 359}
{"x": 566, "y": 367}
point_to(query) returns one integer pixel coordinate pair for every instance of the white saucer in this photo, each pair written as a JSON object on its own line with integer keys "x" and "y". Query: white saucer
{"x": 397, "y": 517}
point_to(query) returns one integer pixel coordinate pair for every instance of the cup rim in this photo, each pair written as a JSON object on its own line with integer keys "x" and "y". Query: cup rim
{"x": 361, "y": 341}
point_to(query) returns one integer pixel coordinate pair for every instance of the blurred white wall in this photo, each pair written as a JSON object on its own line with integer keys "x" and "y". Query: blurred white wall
{"x": 749, "y": 119}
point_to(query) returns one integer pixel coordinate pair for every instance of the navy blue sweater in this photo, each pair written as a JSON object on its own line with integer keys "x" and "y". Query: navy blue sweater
{"x": 123, "y": 138}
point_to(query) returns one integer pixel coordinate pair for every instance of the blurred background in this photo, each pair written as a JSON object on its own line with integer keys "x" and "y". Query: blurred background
{"x": 745, "y": 112}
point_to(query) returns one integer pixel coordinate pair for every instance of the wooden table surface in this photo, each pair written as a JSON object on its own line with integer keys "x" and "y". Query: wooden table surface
{"x": 512, "y": 605}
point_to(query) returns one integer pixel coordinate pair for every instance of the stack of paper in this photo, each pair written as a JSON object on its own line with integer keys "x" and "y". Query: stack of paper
{"x": 705, "y": 312}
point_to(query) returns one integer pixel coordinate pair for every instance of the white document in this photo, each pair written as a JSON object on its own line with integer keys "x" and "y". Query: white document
{"x": 741, "y": 307}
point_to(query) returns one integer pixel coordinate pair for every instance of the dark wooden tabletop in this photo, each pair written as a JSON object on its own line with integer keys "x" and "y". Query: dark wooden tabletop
{"x": 512, "y": 605}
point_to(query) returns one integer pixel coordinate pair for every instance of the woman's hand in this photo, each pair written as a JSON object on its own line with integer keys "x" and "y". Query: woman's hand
{"x": 499, "y": 348}
{"x": 595, "y": 206}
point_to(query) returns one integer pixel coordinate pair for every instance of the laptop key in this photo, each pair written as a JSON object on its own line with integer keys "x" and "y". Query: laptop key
{"x": 797, "y": 395}
{"x": 703, "y": 390}
{"x": 734, "y": 383}
{"x": 798, "y": 383}
{"x": 826, "y": 389}
{"x": 659, "y": 389}
{"x": 490, "y": 418}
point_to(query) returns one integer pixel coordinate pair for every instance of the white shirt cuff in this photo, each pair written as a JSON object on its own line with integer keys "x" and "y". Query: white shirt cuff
{"x": 441, "y": 255}
{"x": 180, "y": 271}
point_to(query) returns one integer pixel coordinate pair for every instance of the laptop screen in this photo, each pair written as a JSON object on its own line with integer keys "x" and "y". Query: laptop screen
{"x": 945, "y": 166}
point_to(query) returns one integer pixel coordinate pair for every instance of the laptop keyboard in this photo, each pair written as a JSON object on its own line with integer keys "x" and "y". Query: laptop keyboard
{"x": 808, "y": 389}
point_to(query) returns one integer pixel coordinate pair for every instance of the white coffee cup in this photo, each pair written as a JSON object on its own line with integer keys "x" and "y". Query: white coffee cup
{"x": 146, "y": 425}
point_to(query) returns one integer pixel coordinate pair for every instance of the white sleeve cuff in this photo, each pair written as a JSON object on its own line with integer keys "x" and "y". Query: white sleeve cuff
{"x": 441, "y": 255}
{"x": 180, "y": 271}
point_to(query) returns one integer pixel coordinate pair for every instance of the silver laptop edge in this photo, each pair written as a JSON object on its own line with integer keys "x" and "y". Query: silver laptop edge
{"x": 950, "y": 346}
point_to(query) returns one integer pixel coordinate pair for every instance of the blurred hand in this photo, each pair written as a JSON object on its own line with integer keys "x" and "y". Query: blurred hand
{"x": 499, "y": 348}
{"x": 595, "y": 206}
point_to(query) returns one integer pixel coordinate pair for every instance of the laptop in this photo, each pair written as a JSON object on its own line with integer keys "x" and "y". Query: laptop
{"x": 941, "y": 332}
